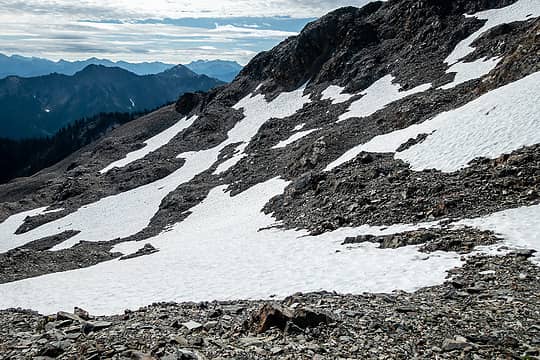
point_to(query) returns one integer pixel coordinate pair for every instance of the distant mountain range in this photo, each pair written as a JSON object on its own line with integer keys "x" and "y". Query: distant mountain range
{"x": 40, "y": 106}
{"x": 219, "y": 69}
{"x": 32, "y": 66}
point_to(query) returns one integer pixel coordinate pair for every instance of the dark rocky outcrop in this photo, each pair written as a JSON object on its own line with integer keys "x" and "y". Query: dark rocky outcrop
{"x": 436, "y": 239}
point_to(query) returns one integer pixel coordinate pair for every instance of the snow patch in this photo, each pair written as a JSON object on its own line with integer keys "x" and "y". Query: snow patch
{"x": 487, "y": 272}
{"x": 519, "y": 11}
{"x": 238, "y": 155}
{"x": 519, "y": 227}
{"x": 496, "y": 123}
{"x": 465, "y": 71}
{"x": 154, "y": 143}
{"x": 335, "y": 94}
{"x": 293, "y": 138}
{"x": 257, "y": 111}
{"x": 12, "y": 223}
{"x": 378, "y": 96}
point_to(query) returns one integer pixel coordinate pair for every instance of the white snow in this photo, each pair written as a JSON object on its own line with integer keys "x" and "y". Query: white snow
{"x": 218, "y": 252}
{"x": 519, "y": 11}
{"x": 299, "y": 127}
{"x": 466, "y": 71}
{"x": 238, "y": 155}
{"x": 127, "y": 213}
{"x": 487, "y": 272}
{"x": 152, "y": 144}
{"x": 520, "y": 227}
{"x": 257, "y": 112}
{"x": 293, "y": 138}
{"x": 498, "y": 122}
{"x": 11, "y": 224}
{"x": 377, "y": 96}
{"x": 47, "y": 110}
{"x": 132, "y": 102}
{"x": 335, "y": 93}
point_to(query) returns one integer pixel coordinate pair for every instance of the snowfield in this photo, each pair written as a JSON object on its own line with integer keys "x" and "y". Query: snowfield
{"x": 227, "y": 248}
{"x": 11, "y": 224}
{"x": 496, "y": 123}
{"x": 381, "y": 93}
{"x": 218, "y": 252}
{"x": 519, "y": 227}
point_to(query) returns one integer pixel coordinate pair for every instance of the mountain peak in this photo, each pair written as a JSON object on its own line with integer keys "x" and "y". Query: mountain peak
{"x": 224, "y": 70}
{"x": 103, "y": 72}
{"x": 180, "y": 71}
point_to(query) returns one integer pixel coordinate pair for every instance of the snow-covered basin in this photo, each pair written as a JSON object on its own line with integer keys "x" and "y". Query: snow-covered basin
{"x": 218, "y": 252}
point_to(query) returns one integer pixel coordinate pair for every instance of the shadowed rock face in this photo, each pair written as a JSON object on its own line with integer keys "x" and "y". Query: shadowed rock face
{"x": 358, "y": 46}
{"x": 188, "y": 102}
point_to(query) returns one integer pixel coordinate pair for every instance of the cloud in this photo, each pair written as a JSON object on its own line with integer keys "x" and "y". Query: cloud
{"x": 162, "y": 30}
{"x": 142, "y": 9}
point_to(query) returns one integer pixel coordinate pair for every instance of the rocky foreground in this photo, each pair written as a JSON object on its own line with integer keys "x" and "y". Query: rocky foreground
{"x": 488, "y": 309}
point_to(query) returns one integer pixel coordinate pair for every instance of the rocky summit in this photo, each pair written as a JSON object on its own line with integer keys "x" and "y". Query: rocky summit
{"x": 368, "y": 189}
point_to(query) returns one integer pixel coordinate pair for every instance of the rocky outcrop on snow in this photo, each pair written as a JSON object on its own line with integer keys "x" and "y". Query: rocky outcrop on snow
{"x": 389, "y": 148}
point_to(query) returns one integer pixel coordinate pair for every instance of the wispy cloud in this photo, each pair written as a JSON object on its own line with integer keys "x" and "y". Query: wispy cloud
{"x": 166, "y": 30}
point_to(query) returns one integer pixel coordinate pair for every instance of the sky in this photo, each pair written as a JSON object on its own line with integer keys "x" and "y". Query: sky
{"x": 171, "y": 31}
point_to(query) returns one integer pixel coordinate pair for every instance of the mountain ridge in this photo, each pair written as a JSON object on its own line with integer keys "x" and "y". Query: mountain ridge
{"x": 16, "y": 65}
{"x": 40, "y": 106}
{"x": 219, "y": 69}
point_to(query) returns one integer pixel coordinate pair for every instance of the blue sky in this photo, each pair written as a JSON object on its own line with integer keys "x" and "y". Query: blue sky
{"x": 173, "y": 31}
